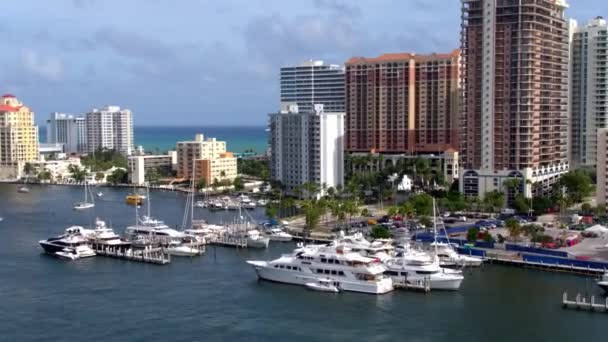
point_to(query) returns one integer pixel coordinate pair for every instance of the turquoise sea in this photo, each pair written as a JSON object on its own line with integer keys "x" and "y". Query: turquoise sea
{"x": 162, "y": 138}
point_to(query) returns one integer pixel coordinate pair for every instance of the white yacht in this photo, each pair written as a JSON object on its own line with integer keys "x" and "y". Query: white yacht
{"x": 257, "y": 240}
{"x": 85, "y": 204}
{"x": 277, "y": 234}
{"x": 380, "y": 249}
{"x": 154, "y": 229}
{"x": 448, "y": 257}
{"x": 603, "y": 282}
{"x": 72, "y": 241}
{"x": 348, "y": 270}
{"x": 200, "y": 204}
{"x": 416, "y": 266}
{"x": 262, "y": 203}
{"x": 183, "y": 250}
{"x": 23, "y": 189}
{"x": 103, "y": 234}
{"x": 248, "y": 205}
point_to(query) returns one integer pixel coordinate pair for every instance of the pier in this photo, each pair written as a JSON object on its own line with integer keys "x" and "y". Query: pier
{"x": 422, "y": 285}
{"x": 518, "y": 261}
{"x": 581, "y": 303}
{"x": 151, "y": 255}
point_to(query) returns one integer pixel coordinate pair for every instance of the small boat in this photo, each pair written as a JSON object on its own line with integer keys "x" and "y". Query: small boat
{"x": 262, "y": 203}
{"x": 1, "y": 218}
{"x": 83, "y": 205}
{"x": 276, "y": 234}
{"x": 23, "y": 189}
{"x": 603, "y": 282}
{"x": 200, "y": 204}
{"x": 257, "y": 240}
{"x": 135, "y": 199}
{"x": 183, "y": 251}
{"x": 67, "y": 254}
{"x": 99, "y": 194}
{"x": 323, "y": 285}
{"x": 248, "y": 205}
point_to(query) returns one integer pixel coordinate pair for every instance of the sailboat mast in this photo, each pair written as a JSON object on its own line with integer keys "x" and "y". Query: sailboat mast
{"x": 192, "y": 195}
{"x": 435, "y": 224}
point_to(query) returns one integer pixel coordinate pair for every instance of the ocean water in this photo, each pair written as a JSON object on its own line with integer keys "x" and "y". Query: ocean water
{"x": 157, "y": 138}
{"x": 217, "y": 297}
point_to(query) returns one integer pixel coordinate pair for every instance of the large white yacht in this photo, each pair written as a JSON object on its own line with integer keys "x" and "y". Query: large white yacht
{"x": 415, "y": 266}
{"x": 382, "y": 250}
{"x": 155, "y": 229}
{"x": 73, "y": 241}
{"x": 348, "y": 270}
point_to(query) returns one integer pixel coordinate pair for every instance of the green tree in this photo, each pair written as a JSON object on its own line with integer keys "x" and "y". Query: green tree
{"x": 201, "y": 184}
{"x": 426, "y": 221}
{"x": 153, "y": 175}
{"x": 577, "y": 185}
{"x": 365, "y": 212}
{"x": 472, "y": 234}
{"x": 586, "y": 208}
{"x": 77, "y": 173}
{"x": 99, "y": 176}
{"x": 514, "y": 228}
{"x": 28, "y": 168}
{"x": 521, "y": 204}
{"x": 493, "y": 201}
{"x": 238, "y": 184}
{"x": 422, "y": 204}
{"x": 272, "y": 211}
{"x": 104, "y": 159}
{"x": 45, "y": 175}
{"x": 118, "y": 176}
{"x": 380, "y": 232}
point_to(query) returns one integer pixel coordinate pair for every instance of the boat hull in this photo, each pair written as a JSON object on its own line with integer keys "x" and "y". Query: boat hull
{"x": 603, "y": 285}
{"x": 280, "y": 238}
{"x": 184, "y": 251}
{"x": 258, "y": 243}
{"x": 321, "y": 288}
{"x": 266, "y": 272}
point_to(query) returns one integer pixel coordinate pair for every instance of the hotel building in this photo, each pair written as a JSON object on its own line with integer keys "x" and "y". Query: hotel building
{"x": 110, "y": 128}
{"x": 313, "y": 82}
{"x": 18, "y": 137}
{"x": 212, "y": 160}
{"x": 69, "y": 130}
{"x": 306, "y": 147}
{"x": 514, "y": 65}
{"x": 589, "y": 90}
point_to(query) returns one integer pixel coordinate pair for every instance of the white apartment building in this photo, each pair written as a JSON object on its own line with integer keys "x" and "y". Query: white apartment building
{"x": 306, "y": 147}
{"x": 110, "y": 128}
{"x": 141, "y": 164}
{"x": 589, "y": 89}
{"x": 69, "y": 130}
{"x": 313, "y": 82}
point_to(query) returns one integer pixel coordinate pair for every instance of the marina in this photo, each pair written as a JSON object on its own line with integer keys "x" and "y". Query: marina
{"x": 187, "y": 284}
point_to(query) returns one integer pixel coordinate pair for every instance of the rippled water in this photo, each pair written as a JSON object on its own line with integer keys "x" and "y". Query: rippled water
{"x": 217, "y": 297}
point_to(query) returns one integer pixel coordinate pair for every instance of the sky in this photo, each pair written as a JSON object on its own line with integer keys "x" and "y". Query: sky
{"x": 203, "y": 63}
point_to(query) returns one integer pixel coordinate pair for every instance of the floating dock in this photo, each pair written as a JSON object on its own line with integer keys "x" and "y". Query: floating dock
{"x": 581, "y": 303}
{"x": 416, "y": 285}
{"x": 518, "y": 262}
{"x": 151, "y": 255}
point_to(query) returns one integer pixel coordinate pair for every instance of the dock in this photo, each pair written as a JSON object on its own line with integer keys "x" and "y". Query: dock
{"x": 423, "y": 285}
{"x": 581, "y": 303}
{"x": 514, "y": 260}
{"x": 150, "y": 255}
{"x": 229, "y": 241}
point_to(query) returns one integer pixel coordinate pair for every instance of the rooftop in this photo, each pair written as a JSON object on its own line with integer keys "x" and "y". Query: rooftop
{"x": 393, "y": 57}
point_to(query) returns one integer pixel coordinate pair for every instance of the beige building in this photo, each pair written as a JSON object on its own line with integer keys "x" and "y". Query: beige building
{"x": 18, "y": 137}
{"x": 141, "y": 164}
{"x": 602, "y": 166}
{"x": 212, "y": 160}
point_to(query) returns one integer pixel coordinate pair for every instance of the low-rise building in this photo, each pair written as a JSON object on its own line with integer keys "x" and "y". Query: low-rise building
{"x": 212, "y": 160}
{"x": 141, "y": 165}
{"x": 59, "y": 170}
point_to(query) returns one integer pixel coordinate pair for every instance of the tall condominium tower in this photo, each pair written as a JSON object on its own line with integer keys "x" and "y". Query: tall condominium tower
{"x": 402, "y": 103}
{"x": 306, "y": 147}
{"x": 69, "y": 130}
{"x": 110, "y": 128}
{"x": 313, "y": 82}
{"x": 589, "y": 87}
{"x": 18, "y": 137}
{"x": 515, "y": 94}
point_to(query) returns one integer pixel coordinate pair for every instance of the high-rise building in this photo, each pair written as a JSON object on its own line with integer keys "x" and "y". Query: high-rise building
{"x": 212, "y": 160}
{"x": 18, "y": 137}
{"x": 589, "y": 90}
{"x": 602, "y": 166}
{"x": 110, "y": 128}
{"x": 402, "y": 103}
{"x": 514, "y": 65}
{"x": 306, "y": 147}
{"x": 313, "y": 82}
{"x": 69, "y": 130}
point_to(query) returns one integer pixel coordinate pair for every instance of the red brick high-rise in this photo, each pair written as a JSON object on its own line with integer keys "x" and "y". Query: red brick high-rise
{"x": 402, "y": 103}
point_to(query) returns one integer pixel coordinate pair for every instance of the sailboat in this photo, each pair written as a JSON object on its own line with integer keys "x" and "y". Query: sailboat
{"x": 85, "y": 204}
{"x": 188, "y": 248}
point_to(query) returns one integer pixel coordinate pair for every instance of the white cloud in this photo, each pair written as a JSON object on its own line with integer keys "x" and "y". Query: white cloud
{"x": 46, "y": 67}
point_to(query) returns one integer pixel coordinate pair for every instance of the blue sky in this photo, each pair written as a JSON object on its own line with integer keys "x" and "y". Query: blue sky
{"x": 197, "y": 62}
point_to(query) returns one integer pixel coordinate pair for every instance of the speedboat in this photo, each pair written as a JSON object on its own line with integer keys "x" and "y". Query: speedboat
{"x": 323, "y": 285}
{"x": 73, "y": 239}
{"x": 347, "y": 270}
{"x": 256, "y": 240}
{"x": 23, "y": 189}
{"x": 277, "y": 234}
{"x": 603, "y": 282}
{"x": 100, "y": 194}
{"x": 135, "y": 199}
{"x": 183, "y": 250}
